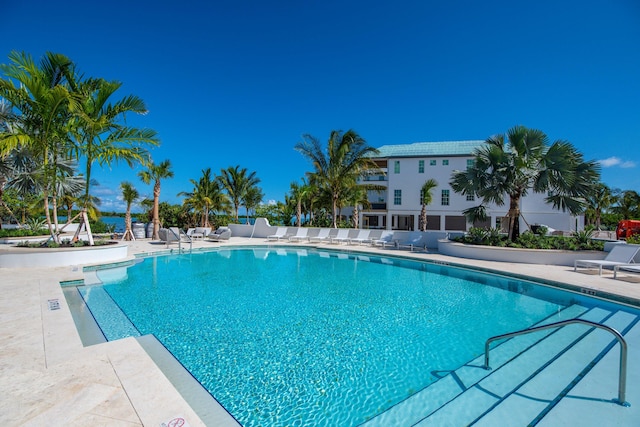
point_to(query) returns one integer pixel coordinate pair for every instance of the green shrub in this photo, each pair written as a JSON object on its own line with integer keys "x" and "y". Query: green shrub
{"x": 99, "y": 227}
{"x": 20, "y": 232}
{"x": 634, "y": 240}
{"x": 66, "y": 243}
{"x": 579, "y": 241}
{"x": 36, "y": 225}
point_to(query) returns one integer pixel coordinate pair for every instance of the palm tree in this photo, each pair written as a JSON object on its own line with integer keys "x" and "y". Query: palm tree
{"x": 237, "y": 181}
{"x": 155, "y": 173}
{"x": 21, "y": 174}
{"x": 7, "y": 168}
{"x": 129, "y": 195}
{"x": 100, "y": 133}
{"x": 425, "y": 199}
{"x": 358, "y": 196}
{"x": 337, "y": 169}
{"x": 311, "y": 197}
{"x": 628, "y": 205}
{"x": 598, "y": 201}
{"x": 297, "y": 194}
{"x": 525, "y": 162}
{"x": 206, "y": 195}
{"x": 44, "y": 101}
{"x": 251, "y": 199}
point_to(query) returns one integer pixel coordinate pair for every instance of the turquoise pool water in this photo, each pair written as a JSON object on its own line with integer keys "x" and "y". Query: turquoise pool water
{"x": 297, "y": 337}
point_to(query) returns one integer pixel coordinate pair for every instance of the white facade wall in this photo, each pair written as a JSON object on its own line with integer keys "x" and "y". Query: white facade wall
{"x": 409, "y": 181}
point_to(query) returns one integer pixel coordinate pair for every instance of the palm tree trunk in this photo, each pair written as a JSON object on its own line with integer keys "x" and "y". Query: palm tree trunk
{"x": 356, "y": 217}
{"x": 2, "y": 184}
{"x": 423, "y": 218}
{"x": 127, "y": 222}
{"x": 47, "y": 215}
{"x": 156, "y": 211}
{"x": 205, "y": 214}
{"x": 514, "y": 217}
{"x": 54, "y": 206}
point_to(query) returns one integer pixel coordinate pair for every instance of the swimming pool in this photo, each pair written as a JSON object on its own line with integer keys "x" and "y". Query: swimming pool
{"x": 307, "y": 337}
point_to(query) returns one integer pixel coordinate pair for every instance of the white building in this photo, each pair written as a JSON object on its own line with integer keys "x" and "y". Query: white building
{"x": 405, "y": 168}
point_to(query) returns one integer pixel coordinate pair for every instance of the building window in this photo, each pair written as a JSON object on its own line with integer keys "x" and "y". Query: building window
{"x": 444, "y": 198}
{"x": 421, "y": 166}
{"x": 470, "y": 198}
{"x": 445, "y": 162}
{"x": 396, "y": 166}
{"x": 432, "y": 162}
{"x": 397, "y": 197}
{"x": 470, "y": 163}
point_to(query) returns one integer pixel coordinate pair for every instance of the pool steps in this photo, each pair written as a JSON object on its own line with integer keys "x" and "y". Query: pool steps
{"x": 589, "y": 392}
{"x": 472, "y": 394}
{"x": 538, "y": 394}
{"x": 106, "y": 312}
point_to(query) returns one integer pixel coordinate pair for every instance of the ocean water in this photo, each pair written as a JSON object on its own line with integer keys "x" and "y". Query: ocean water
{"x": 110, "y": 220}
{"x": 117, "y": 221}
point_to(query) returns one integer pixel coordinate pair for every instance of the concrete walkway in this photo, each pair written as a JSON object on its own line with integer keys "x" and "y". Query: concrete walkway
{"x": 47, "y": 377}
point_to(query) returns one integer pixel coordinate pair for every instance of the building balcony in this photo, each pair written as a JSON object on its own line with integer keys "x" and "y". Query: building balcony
{"x": 373, "y": 178}
{"x": 378, "y": 207}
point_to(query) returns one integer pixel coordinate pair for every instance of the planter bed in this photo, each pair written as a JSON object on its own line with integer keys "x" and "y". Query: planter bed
{"x": 515, "y": 255}
{"x": 60, "y": 257}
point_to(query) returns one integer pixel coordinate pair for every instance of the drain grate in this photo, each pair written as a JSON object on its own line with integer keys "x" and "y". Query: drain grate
{"x": 54, "y": 304}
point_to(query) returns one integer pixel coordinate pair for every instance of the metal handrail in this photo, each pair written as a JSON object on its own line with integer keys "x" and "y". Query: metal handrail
{"x": 622, "y": 377}
{"x": 179, "y": 237}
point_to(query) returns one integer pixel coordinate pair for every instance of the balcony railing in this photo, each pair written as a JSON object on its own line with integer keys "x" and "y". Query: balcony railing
{"x": 374, "y": 178}
{"x": 378, "y": 206}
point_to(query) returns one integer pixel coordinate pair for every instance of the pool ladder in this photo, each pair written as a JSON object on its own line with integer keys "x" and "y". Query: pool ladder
{"x": 179, "y": 236}
{"x": 622, "y": 376}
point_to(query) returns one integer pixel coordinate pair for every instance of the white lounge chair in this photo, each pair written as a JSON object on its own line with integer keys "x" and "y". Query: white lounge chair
{"x": 416, "y": 240}
{"x": 619, "y": 255}
{"x": 361, "y": 237}
{"x": 386, "y": 238}
{"x": 373, "y": 235}
{"x": 300, "y": 235}
{"x": 322, "y": 236}
{"x": 342, "y": 236}
{"x": 394, "y": 241}
{"x": 281, "y": 233}
{"x": 629, "y": 268}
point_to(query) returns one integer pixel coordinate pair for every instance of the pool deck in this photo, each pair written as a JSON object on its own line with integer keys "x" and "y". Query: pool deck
{"x": 49, "y": 378}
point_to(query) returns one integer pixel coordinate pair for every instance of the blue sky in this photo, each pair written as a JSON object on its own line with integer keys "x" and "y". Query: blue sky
{"x": 238, "y": 83}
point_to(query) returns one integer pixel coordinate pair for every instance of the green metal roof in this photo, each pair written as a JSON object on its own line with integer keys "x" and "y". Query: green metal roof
{"x": 429, "y": 149}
